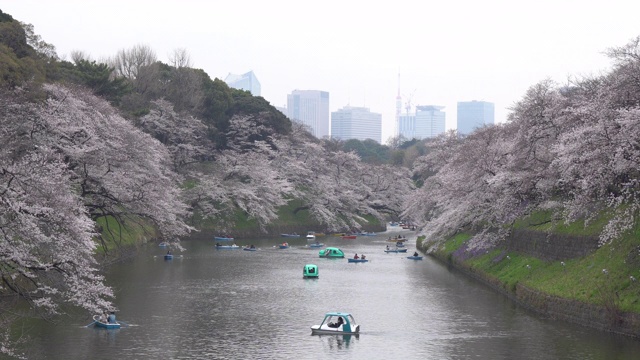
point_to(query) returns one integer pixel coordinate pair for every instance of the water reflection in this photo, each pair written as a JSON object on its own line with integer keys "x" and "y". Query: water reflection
{"x": 337, "y": 342}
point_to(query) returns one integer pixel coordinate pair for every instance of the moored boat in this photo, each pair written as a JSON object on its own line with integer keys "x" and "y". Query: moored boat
{"x": 336, "y": 323}
{"x": 294, "y": 235}
{"x": 103, "y": 324}
{"x": 223, "y": 238}
{"x": 227, "y": 247}
{"x": 311, "y": 235}
{"x": 310, "y": 271}
{"x": 396, "y": 250}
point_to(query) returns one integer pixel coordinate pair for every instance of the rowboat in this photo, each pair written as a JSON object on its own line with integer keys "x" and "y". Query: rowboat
{"x": 336, "y": 323}
{"x": 101, "y": 324}
{"x": 227, "y": 247}
{"x": 249, "y": 248}
{"x": 396, "y": 250}
{"x": 168, "y": 256}
{"x": 284, "y": 245}
{"x": 358, "y": 260}
{"x": 310, "y": 271}
{"x": 294, "y": 235}
{"x": 223, "y": 238}
{"x": 311, "y": 235}
{"x": 414, "y": 257}
{"x": 349, "y": 237}
{"x": 316, "y": 245}
{"x": 163, "y": 244}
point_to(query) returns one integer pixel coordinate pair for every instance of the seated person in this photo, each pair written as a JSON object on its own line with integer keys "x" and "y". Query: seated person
{"x": 415, "y": 253}
{"x": 363, "y": 257}
{"x": 356, "y": 256}
{"x": 111, "y": 319}
{"x": 337, "y": 324}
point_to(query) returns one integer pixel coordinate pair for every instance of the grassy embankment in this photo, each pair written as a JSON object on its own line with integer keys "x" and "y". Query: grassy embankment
{"x": 118, "y": 238}
{"x": 581, "y": 279}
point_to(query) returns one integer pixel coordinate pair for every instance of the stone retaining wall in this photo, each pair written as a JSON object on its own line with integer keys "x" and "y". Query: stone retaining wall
{"x": 594, "y": 316}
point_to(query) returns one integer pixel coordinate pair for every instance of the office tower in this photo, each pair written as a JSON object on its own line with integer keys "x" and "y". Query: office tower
{"x": 310, "y": 107}
{"x": 356, "y": 123}
{"x": 247, "y": 81}
{"x": 474, "y": 114}
{"x": 428, "y": 121}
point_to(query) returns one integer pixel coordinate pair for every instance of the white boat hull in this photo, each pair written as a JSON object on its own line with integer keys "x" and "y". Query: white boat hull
{"x": 325, "y": 329}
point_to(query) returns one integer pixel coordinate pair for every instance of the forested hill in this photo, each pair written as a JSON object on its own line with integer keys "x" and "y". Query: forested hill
{"x": 133, "y": 140}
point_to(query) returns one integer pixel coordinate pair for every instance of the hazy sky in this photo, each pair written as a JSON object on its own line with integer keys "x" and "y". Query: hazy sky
{"x": 446, "y": 51}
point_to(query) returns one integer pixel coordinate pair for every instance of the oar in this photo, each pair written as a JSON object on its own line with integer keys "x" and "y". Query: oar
{"x": 93, "y": 322}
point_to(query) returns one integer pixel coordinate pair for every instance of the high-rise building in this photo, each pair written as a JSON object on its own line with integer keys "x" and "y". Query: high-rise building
{"x": 247, "y": 81}
{"x": 428, "y": 121}
{"x": 310, "y": 107}
{"x": 474, "y": 114}
{"x": 356, "y": 123}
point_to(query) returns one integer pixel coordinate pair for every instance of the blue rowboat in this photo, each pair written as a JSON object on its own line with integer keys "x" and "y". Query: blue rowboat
{"x": 222, "y": 238}
{"x": 284, "y": 246}
{"x": 357, "y": 260}
{"x": 396, "y": 251}
{"x": 247, "y": 248}
{"x": 318, "y": 245}
{"x": 168, "y": 257}
{"x": 98, "y": 323}
{"x": 414, "y": 257}
{"x": 227, "y": 247}
{"x": 290, "y": 235}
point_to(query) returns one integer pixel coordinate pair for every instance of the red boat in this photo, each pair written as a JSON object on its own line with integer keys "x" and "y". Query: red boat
{"x": 350, "y": 237}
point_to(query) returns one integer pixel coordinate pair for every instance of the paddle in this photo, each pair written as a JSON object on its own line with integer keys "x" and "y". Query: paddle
{"x": 93, "y": 322}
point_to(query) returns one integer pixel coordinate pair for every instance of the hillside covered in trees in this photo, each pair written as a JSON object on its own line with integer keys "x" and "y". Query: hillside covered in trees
{"x": 91, "y": 147}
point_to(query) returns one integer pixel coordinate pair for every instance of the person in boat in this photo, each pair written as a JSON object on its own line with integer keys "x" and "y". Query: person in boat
{"x": 337, "y": 323}
{"x": 363, "y": 257}
{"x": 168, "y": 252}
{"x": 387, "y": 247}
{"x": 356, "y": 256}
{"x": 415, "y": 253}
{"x": 103, "y": 317}
{"x": 111, "y": 319}
{"x": 217, "y": 244}
{"x": 252, "y": 246}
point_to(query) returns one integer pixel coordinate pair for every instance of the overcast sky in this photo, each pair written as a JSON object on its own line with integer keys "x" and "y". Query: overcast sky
{"x": 445, "y": 51}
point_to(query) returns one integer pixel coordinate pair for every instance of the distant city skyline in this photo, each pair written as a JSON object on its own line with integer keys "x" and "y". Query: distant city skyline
{"x": 490, "y": 51}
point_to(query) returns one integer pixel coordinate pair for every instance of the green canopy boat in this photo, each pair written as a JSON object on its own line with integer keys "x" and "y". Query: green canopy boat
{"x": 331, "y": 252}
{"x": 310, "y": 271}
